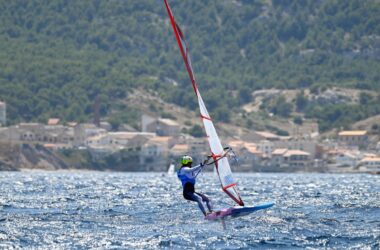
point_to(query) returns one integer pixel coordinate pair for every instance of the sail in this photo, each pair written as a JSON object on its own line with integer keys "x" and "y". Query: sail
{"x": 222, "y": 165}
{"x": 171, "y": 169}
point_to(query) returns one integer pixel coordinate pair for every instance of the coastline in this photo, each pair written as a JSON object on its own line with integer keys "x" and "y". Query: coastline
{"x": 73, "y": 170}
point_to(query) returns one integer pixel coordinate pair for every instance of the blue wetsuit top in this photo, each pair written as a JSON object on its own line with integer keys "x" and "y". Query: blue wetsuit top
{"x": 189, "y": 175}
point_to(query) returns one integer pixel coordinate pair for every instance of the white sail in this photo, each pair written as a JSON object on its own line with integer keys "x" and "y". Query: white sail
{"x": 171, "y": 169}
{"x": 221, "y": 163}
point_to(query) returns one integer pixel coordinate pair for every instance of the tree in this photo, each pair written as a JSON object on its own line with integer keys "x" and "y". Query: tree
{"x": 59, "y": 56}
{"x": 245, "y": 95}
{"x": 281, "y": 107}
{"x": 196, "y": 131}
{"x": 222, "y": 114}
{"x": 364, "y": 98}
{"x": 304, "y": 82}
{"x": 301, "y": 101}
{"x": 298, "y": 120}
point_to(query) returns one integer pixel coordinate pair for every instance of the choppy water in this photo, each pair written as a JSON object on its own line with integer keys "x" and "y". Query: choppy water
{"x": 143, "y": 210}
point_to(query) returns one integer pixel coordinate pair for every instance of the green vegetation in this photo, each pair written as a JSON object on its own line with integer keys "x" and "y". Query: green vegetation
{"x": 341, "y": 115}
{"x": 298, "y": 120}
{"x": 281, "y": 107}
{"x": 57, "y": 56}
{"x": 197, "y": 131}
{"x": 123, "y": 160}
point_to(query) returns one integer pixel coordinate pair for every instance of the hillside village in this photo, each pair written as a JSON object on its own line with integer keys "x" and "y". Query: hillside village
{"x": 288, "y": 83}
{"x": 160, "y": 143}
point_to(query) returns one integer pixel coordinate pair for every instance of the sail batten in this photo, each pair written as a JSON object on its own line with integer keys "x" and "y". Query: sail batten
{"x": 229, "y": 185}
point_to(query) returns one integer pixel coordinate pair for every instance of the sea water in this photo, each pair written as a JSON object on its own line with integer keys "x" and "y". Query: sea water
{"x": 102, "y": 210}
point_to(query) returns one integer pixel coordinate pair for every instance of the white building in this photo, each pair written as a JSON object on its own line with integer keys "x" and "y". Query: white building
{"x": 98, "y": 140}
{"x": 177, "y": 151}
{"x": 154, "y": 154}
{"x": 290, "y": 158}
{"x": 83, "y": 131}
{"x": 309, "y": 146}
{"x": 297, "y": 158}
{"x": 257, "y": 136}
{"x": 163, "y": 127}
{"x": 347, "y": 159}
{"x": 378, "y": 147}
{"x": 56, "y": 133}
{"x": 277, "y": 159}
{"x": 30, "y": 131}
{"x": 130, "y": 139}
{"x": 249, "y": 157}
{"x": 355, "y": 138}
{"x": 198, "y": 149}
{"x": 370, "y": 164}
{"x": 266, "y": 147}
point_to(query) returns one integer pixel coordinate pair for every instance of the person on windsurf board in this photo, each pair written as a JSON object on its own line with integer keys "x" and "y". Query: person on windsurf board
{"x": 188, "y": 175}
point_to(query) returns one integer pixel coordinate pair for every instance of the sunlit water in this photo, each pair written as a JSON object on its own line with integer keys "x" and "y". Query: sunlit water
{"x": 66, "y": 210}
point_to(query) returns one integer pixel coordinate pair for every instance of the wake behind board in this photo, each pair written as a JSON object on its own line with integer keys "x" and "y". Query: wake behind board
{"x": 237, "y": 211}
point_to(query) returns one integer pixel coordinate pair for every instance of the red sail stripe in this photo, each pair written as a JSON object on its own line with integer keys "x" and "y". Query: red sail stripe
{"x": 231, "y": 185}
{"x": 206, "y": 117}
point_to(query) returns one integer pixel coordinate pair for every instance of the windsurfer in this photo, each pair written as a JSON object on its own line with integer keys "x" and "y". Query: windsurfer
{"x": 188, "y": 174}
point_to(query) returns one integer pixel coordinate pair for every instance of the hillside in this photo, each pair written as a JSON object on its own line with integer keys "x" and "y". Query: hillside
{"x": 57, "y": 56}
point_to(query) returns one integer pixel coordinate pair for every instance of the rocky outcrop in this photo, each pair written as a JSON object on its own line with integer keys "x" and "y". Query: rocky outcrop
{"x": 9, "y": 156}
{"x": 28, "y": 156}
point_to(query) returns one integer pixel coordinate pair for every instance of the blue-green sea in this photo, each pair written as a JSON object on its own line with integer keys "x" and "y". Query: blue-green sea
{"x": 108, "y": 210}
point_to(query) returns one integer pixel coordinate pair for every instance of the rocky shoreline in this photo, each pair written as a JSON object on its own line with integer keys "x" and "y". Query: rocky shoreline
{"x": 14, "y": 157}
{"x": 26, "y": 157}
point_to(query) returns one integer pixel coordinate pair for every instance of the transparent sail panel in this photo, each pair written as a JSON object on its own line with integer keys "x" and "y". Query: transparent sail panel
{"x": 223, "y": 167}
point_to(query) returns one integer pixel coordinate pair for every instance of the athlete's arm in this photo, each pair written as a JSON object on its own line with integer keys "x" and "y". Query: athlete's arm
{"x": 192, "y": 170}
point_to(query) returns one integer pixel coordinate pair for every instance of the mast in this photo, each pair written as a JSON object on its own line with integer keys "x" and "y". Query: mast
{"x": 222, "y": 165}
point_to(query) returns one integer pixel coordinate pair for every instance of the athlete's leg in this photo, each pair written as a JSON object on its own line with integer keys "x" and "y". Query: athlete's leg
{"x": 207, "y": 200}
{"x": 197, "y": 198}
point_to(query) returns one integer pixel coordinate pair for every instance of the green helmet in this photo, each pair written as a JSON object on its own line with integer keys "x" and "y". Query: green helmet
{"x": 186, "y": 160}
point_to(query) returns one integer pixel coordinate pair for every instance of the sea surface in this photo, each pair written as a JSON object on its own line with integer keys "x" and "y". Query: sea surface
{"x": 103, "y": 210}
